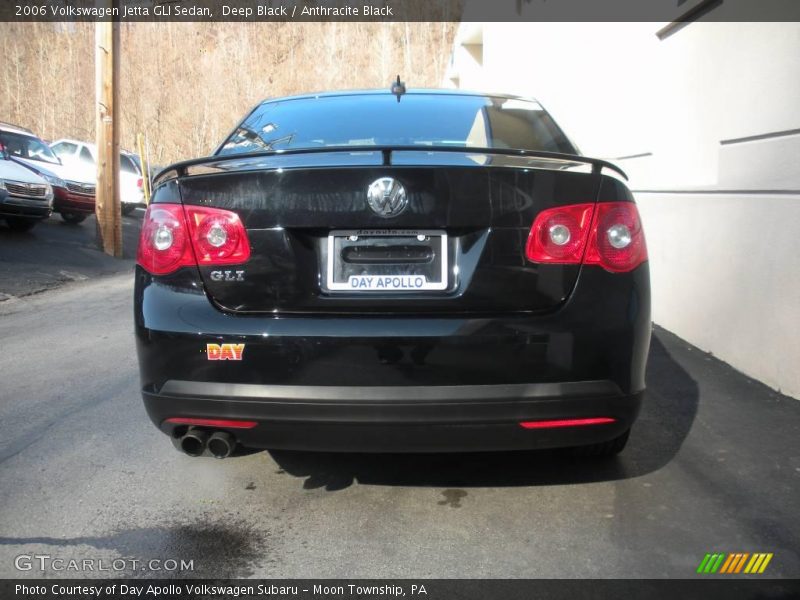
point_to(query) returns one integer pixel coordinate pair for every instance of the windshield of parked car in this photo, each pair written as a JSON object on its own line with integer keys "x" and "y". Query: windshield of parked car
{"x": 416, "y": 120}
{"x": 127, "y": 164}
{"x": 25, "y": 146}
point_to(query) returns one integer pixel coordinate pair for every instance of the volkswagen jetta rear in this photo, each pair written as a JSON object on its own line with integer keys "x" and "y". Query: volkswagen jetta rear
{"x": 374, "y": 271}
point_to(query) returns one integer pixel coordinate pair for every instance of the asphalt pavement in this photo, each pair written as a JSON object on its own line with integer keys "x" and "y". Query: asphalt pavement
{"x": 713, "y": 465}
{"x": 54, "y": 253}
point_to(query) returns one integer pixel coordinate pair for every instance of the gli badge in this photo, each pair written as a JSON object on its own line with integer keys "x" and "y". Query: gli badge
{"x": 227, "y": 275}
{"x": 224, "y": 351}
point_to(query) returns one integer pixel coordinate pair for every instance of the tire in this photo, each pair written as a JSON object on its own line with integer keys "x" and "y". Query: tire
{"x": 128, "y": 209}
{"x": 607, "y": 449}
{"x": 73, "y": 218}
{"x": 20, "y": 223}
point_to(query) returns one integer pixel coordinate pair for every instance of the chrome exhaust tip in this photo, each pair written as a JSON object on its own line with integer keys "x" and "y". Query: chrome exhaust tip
{"x": 221, "y": 444}
{"x": 193, "y": 443}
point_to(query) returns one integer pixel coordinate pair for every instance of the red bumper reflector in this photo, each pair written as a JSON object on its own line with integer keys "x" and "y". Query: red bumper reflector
{"x": 223, "y": 423}
{"x": 566, "y": 423}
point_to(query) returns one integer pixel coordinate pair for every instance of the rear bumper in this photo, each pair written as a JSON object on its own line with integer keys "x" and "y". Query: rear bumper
{"x": 135, "y": 198}
{"x": 394, "y": 383}
{"x": 400, "y": 419}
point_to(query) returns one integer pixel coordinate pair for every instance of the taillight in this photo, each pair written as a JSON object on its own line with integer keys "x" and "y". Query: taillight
{"x": 139, "y": 183}
{"x": 616, "y": 242}
{"x": 558, "y": 235}
{"x": 174, "y": 236}
{"x": 556, "y": 423}
{"x": 218, "y": 236}
{"x": 224, "y": 423}
{"x": 164, "y": 242}
{"x": 608, "y": 234}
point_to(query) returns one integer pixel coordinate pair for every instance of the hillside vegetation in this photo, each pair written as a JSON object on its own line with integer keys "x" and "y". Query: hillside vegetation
{"x": 185, "y": 85}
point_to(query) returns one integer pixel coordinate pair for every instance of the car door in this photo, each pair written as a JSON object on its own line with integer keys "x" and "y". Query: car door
{"x": 129, "y": 181}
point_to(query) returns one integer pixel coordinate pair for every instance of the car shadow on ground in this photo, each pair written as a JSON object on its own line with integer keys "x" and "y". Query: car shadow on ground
{"x": 666, "y": 418}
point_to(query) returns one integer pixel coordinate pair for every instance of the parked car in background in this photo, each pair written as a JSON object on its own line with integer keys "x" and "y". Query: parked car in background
{"x": 81, "y": 158}
{"x": 25, "y": 198}
{"x": 73, "y": 194}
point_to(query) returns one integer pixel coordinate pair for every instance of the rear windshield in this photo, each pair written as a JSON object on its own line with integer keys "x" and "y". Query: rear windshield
{"x": 416, "y": 120}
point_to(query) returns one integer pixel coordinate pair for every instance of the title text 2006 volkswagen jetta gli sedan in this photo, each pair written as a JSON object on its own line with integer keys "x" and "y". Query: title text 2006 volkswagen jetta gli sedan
{"x": 376, "y": 271}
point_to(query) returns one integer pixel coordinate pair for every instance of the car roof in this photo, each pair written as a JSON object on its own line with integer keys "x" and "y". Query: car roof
{"x": 70, "y": 141}
{"x": 409, "y": 92}
{"x": 89, "y": 145}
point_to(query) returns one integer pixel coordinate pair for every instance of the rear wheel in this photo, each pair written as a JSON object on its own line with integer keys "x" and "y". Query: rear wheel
{"x": 20, "y": 224}
{"x": 128, "y": 208}
{"x": 73, "y": 218}
{"x": 603, "y": 449}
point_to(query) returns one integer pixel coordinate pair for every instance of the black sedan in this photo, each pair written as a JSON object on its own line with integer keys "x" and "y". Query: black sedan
{"x": 393, "y": 271}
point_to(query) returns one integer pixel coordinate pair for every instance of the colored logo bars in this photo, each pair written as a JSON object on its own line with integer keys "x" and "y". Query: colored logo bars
{"x": 740, "y": 562}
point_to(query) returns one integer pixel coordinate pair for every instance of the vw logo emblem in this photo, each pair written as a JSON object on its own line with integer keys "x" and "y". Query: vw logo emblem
{"x": 387, "y": 197}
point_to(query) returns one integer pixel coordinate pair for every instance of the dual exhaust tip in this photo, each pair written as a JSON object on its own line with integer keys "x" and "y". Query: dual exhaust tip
{"x": 220, "y": 444}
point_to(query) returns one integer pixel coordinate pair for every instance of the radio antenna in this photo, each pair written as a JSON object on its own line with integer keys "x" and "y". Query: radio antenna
{"x": 398, "y": 88}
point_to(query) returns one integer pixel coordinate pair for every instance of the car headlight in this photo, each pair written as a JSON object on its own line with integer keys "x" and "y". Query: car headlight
{"x": 49, "y": 194}
{"x": 55, "y": 181}
{"x": 2, "y": 184}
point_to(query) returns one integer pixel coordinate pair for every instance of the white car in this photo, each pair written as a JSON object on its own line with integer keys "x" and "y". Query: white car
{"x": 25, "y": 198}
{"x": 81, "y": 157}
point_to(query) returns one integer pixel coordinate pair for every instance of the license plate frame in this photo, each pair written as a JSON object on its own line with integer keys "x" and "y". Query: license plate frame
{"x": 390, "y": 288}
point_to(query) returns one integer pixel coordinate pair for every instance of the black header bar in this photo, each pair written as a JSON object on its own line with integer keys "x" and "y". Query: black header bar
{"x": 664, "y": 11}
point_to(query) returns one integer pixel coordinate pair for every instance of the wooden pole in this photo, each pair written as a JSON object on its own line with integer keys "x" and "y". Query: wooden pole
{"x": 107, "y": 208}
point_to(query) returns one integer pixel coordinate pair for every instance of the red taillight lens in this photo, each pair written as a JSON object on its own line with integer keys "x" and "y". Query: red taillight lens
{"x": 174, "y": 236}
{"x": 608, "y": 234}
{"x": 556, "y": 423}
{"x": 219, "y": 236}
{"x": 223, "y": 423}
{"x": 139, "y": 183}
{"x": 163, "y": 244}
{"x": 616, "y": 242}
{"x": 558, "y": 235}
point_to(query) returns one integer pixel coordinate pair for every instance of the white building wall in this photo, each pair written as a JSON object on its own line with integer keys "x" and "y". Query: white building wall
{"x": 721, "y": 213}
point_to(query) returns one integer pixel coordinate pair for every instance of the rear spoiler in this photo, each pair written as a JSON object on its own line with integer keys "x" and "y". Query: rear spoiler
{"x": 182, "y": 168}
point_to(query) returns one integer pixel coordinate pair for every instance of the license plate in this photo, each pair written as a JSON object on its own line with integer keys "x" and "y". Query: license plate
{"x": 389, "y": 261}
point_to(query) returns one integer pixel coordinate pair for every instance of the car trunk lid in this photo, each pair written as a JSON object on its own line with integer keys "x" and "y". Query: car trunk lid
{"x": 464, "y": 229}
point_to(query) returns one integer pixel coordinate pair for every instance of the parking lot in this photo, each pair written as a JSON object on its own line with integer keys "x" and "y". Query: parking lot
{"x": 54, "y": 253}
{"x": 713, "y": 465}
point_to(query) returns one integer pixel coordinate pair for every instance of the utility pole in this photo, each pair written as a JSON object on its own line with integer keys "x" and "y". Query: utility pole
{"x": 107, "y": 208}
